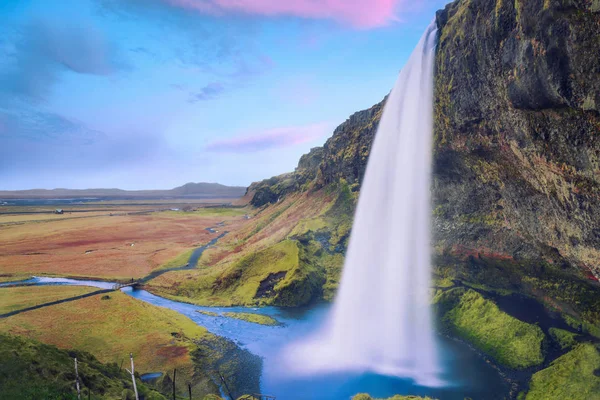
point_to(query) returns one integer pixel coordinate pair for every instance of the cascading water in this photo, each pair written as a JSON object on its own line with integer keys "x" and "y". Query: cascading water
{"x": 381, "y": 318}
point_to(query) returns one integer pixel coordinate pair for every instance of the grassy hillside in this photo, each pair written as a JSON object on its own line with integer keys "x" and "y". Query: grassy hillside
{"x": 288, "y": 253}
{"x": 31, "y": 370}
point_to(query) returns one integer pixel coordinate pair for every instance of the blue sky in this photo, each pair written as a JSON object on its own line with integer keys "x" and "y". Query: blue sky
{"x": 151, "y": 94}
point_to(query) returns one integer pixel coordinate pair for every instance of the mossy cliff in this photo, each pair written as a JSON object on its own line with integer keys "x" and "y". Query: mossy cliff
{"x": 517, "y": 156}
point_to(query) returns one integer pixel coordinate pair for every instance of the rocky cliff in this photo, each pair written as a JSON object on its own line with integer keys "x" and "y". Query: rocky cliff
{"x": 516, "y": 175}
{"x": 516, "y": 151}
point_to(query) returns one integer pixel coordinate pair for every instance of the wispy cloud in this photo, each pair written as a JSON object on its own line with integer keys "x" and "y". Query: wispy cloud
{"x": 44, "y": 127}
{"x": 270, "y": 139}
{"x": 208, "y": 92}
{"x": 45, "y": 48}
{"x": 359, "y": 14}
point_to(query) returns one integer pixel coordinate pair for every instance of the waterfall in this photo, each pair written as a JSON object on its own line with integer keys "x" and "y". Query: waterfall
{"x": 381, "y": 319}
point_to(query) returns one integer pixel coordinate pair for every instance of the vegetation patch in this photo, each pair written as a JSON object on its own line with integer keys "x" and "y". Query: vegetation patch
{"x": 160, "y": 339}
{"x": 564, "y": 338}
{"x": 570, "y": 376}
{"x": 478, "y": 320}
{"x": 179, "y": 261}
{"x": 209, "y": 313}
{"x": 31, "y": 370}
{"x": 18, "y": 298}
{"x": 254, "y": 318}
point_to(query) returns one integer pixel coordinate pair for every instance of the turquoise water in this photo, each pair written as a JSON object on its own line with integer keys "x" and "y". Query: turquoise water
{"x": 466, "y": 373}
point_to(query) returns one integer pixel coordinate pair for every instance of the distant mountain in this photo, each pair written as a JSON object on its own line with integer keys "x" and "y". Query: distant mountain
{"x": 189, "y": 190}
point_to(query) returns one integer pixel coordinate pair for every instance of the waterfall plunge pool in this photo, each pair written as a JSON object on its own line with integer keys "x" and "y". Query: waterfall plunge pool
{"x": 466, "y": 373}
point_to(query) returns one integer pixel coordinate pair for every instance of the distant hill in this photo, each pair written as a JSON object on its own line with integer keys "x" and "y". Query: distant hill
{"x": 189, "y": 190}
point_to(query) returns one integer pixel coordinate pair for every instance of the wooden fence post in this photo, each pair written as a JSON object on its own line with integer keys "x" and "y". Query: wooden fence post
{"x": 77, "y": 380}
{"x": 174, "y": 377}
{"x": 133, "y": 376}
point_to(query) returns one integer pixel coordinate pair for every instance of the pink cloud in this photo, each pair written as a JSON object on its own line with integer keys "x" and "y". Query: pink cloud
{"x": 362, "y": 14}
{"x": 270, "y": 139}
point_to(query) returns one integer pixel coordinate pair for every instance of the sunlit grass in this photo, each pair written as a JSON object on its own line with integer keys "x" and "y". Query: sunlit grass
{"x": 510, "y": 341}
{"x": 570, "y": 376}
{"x": 18, "y": 298}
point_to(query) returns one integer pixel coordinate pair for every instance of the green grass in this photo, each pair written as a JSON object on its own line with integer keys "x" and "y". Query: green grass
{"x": 178, "y": 261}
{"x": 564, "y": 338}
{"x": 238, "y": 283}
{"x": 570, "y": 376}
{"x": 32, "y": 370}
{"x": 213, "y": 212}
{"x": 221, "y": 211}
{"x": 508, "y": 340}
{"x": 583, "y": 326}
{"x": 306, "y": 225}
{"x": 160, "y": 339}
{"x": 18, "y": 298}
{"x": 254, "y": 318}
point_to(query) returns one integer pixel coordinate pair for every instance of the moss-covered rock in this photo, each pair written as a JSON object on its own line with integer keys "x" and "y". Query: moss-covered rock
{"x": 572, "y": 376}
{"x": 565, "y": 339}
{"x": 254, "y": 318}
{"x": 216, "y": 358}
{"x": 511, "y": 342}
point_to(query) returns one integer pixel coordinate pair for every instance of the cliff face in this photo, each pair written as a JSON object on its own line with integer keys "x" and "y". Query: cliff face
{"x": 517, "y": 116}
{"x": 343, "y": 156}
{"x": 516, "y": 184}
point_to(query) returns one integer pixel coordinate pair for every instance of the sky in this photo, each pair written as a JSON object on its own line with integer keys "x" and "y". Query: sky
{"x": 151, "y": 94}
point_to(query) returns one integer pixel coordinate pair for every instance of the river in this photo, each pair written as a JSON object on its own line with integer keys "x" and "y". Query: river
{"x": 466, "y": 373}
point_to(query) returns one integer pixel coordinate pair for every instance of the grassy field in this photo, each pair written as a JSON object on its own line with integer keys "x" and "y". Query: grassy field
{"x": 160, "y": 339}
{"x": 105, "y": 246}
{"x": 110, "y": 329}
{"x": 18, "y": 298}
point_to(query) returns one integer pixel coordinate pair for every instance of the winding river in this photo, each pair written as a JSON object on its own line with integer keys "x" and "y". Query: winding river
{"x": 466, "y": 373}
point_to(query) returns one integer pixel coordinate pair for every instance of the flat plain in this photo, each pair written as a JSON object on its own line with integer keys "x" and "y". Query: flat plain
{"x": 104, "y": 241}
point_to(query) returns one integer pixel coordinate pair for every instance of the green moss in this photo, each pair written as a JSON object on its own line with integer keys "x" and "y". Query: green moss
{"x": 32, "y": 370}
{"x": 308, "y": 225}
{"x": 570, "y": 376}
{"x": 511, "y": 342}
{"x": 582, "y": 326}
{"x": 564, "y": 338}
{"x": 254, "y": 318}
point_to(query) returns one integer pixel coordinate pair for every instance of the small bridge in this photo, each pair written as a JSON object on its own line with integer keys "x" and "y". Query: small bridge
{"x": 121, "y": 285}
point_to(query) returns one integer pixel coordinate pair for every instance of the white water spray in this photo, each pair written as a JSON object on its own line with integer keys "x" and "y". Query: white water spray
{"x": 381, "y": 317}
